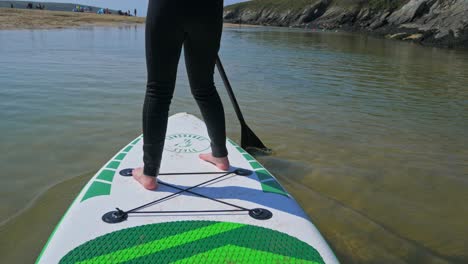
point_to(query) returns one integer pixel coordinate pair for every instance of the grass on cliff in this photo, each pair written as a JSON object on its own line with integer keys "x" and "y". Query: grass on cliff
{"x": 296, "y": 5}
{"x": 276, "y": 5}
{"x": 386, "y": 4}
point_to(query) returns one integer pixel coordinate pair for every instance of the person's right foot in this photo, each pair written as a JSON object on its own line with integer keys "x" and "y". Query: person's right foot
{"x": 147, "y": 182}
{"x": 221, "y": 163}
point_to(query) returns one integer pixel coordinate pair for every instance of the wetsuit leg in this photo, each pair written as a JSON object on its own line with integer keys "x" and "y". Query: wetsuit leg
{"x": 203, "y": 25}
{"x": 168, "y": 24}
{"x": 164, "y": 39}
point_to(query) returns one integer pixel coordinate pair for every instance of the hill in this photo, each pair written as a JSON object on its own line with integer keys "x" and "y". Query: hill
{"x": 429, "y": 22}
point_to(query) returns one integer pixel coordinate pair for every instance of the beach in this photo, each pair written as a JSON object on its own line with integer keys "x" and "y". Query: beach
{"x": 12, "y": 19}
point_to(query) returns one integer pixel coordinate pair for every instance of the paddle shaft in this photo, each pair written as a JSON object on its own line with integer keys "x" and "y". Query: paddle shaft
{"x": 230, "y": 92}
{"x": 248, "y": 137}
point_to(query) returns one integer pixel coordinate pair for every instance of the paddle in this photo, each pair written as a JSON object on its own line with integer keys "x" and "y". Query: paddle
{"x": 248, "y": 138}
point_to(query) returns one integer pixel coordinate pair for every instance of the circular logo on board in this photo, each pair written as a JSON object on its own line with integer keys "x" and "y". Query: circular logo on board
{"x": 186, "y": 143}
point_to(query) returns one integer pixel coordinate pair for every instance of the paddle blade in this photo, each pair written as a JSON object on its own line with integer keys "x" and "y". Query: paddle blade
{"x": 250, "y": 141}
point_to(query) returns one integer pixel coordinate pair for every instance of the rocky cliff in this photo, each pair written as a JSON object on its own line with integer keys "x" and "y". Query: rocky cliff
{"x": 429, "y": 22}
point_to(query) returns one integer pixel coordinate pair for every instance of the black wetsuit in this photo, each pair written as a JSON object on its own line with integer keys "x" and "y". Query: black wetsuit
{"x": 197, "y": 25}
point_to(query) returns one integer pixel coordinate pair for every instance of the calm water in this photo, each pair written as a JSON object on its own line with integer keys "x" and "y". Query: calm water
{"x": 369, "y": 135}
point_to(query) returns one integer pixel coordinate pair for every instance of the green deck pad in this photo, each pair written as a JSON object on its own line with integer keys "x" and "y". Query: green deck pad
{"x": 96, "y": 189}
{"x": 131, "y": 237}
{"x": 135, "y": 141}
{"x": 263, "y": 175}
{"x": 273, "y": 187}
{"x": 164, "y": 243}
{"x": 191, "y": 241}
{"x": 256, "y": 165}
{"x": 128, "y": 148}
{"x": 248, "y": 157}
{"x": 113, "y": 164}
{"x": 236, "y": 254}
{"x": 106, "y": 175}
{"x": 121, "y": 156}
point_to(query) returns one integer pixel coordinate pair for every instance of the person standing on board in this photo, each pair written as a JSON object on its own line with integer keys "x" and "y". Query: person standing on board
{"x": 197, "y": 26}
{"x": 135, "y": 12}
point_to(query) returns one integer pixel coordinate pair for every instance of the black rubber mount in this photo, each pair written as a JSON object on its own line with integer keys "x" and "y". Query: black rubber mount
{"x": 242, "y": 172}
{"x": 260, "y": 214}
{"x": 126, "y": 172}
{"x": 114, "y": 217}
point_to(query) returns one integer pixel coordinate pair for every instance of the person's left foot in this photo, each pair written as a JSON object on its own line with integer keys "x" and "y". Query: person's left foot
{"x": 148, "y": 182}
{"x": 221, "y": 163}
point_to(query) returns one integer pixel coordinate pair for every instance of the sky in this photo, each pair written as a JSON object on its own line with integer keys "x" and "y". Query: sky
{"x": 140, "y": 5}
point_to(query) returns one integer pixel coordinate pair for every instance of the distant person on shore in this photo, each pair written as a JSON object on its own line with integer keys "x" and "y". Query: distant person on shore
{"x": 197, "y": 26}
{"x": 135, "y": 12}
{"x": 11, "y": 5}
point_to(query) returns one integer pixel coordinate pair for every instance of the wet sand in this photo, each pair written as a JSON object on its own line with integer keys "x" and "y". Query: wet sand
{"x": 11, "y": 19}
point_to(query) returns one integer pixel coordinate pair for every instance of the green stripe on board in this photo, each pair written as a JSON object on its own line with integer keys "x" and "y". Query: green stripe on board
{"x": 135, "y": 141}
{"x": 97, "y": 189}
{"x": 248, "y": 157}
{"x": 273, "y": 187}
{"x": 232, "y": 142}
{"x": 121, "y": 156}
{"x": 263, "y": 175}
{"x": 256, "y": 165}
{"x": 236, "y": 254}
{"x": 162, "y": 244}
{"x": 113, "y": 164}
{"x": 106, "y": 175}
{"x": 241, "y": 150}
{"x": 127, "y": 149}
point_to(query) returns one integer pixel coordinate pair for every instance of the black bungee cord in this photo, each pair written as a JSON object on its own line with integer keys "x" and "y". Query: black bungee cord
{"x": 120, "y": 215}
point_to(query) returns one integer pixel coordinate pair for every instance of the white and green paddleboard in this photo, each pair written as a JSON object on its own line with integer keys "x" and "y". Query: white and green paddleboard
{"x": 201, "y": 214}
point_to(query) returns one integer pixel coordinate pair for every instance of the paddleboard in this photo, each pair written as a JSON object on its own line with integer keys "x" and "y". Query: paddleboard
{"x": 198, "y": 213}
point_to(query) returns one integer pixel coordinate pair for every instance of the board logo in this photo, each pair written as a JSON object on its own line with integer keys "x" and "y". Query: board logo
{"x": 186, "y": 143}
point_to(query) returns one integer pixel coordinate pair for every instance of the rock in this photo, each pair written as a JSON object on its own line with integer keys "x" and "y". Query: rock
{"x": 432, "y": 22}
{"x": 397, "y": 36}
{"x": 412, "y": 10}
{"x": 414, "y": 37}
{"x": 380, "y": 21}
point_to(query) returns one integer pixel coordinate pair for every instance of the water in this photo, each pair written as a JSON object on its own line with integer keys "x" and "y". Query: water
{"x": 369, "y": 135}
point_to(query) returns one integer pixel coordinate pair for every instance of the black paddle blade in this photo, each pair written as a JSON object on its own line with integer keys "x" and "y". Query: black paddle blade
{"x": 251, "y": 143}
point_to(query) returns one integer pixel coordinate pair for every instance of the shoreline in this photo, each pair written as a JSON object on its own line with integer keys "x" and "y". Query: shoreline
{"x": 21, "y": 19}
{"x": 429, "y": 23}
{"x": 17, "y": 19}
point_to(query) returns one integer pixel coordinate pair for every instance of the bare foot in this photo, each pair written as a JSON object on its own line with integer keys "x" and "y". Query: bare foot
{"x": 221, "y": 163}
{"x": 148, "y": 182}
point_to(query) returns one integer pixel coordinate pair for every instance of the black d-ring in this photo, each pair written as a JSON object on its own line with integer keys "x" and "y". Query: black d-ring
{"x": 114, "y": 217}
{"x": 242, "y": 172}
{"x": 260, "y": 214}
{"x": 126, "y": 172}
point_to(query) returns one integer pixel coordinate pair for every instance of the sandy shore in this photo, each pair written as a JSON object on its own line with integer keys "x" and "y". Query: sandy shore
{"x": 44, "y": 19}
